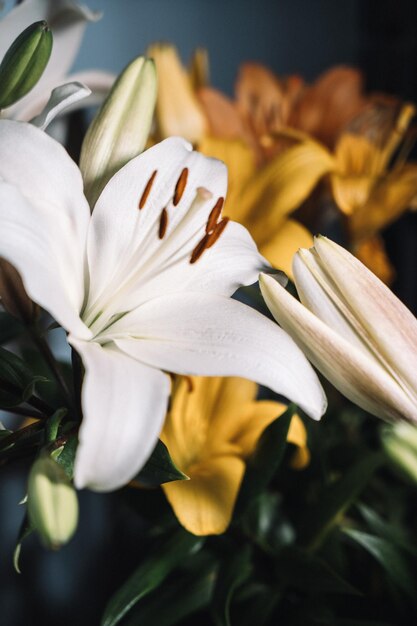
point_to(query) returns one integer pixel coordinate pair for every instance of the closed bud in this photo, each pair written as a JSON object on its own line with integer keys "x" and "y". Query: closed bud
{"x": 24, "y": 63}
{"x": 120, "y": 130}
{"x": 52, "y": 503}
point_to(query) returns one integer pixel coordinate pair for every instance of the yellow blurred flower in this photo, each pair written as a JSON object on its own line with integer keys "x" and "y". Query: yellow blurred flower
{"x": 214, "y": 124}
{"x": 369, "y": 186}
{"x": 212, "y": 427}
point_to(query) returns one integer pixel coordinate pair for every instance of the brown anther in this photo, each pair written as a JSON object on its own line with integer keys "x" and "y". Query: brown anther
{"x": 163, "y": 223}
{"x": 199, "y": 249}
{"x": 147, "y": 190}
{"x": 190, "y": 383}
{"x": 213, "y": 237}
{"x": 180, "y": 186}
{"x": 214, "y": 215}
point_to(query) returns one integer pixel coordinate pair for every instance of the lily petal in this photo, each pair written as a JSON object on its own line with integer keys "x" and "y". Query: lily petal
{"x": 50, "y": 211}
{"x": 61, "y": 98}
{"x": 391, "y": 325}
{"x": 132, "y": 264}
{"x": 124, "y": 405}
{"x": 208, "y": 335}
{"x": 350, "y": 370}
{"x": 204, "y": 504}
{"x": 281, "y": 246}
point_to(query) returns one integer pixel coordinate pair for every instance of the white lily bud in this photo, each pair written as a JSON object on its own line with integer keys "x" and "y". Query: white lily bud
{"x": 352, "y": 328}
{"x": 400, "y": 443}
{"x": 120, "y": 129}
{"x": 52, "y": 503}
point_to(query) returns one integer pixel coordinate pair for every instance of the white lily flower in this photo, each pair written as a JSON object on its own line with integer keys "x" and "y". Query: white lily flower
{"x": 352, "y": 328}
{"x": 67, "y": 21}
{"x": 143, "y": 287}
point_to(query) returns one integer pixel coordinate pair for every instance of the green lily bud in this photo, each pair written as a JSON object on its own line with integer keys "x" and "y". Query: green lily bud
{"x": 121, "y": 127}
{"x": 24, "y": 63}
{"x": 52, "y": 503}
{"x": 400, "y": 444}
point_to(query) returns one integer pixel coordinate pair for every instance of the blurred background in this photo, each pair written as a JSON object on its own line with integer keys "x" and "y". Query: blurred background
{"x": 290, "y": 36}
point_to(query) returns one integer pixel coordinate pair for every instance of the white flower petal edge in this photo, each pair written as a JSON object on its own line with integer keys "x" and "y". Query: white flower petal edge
{"x": 124, "y": 404}
{"x": 210, "y": 335}
{"x": 145, "y": 289}
{"x": 60, "y": 100}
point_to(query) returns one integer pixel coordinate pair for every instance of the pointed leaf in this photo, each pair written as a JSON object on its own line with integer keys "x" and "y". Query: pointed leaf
{"x": 232, "y": 574}
{"x": 159, "y": 469}
{"x": 150, "y": 574}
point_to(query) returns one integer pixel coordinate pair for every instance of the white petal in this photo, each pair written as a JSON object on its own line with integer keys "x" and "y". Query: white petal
{"x": 359, "y": 378}
{"x": 67, "y": 21}
{"x": 96, "y": 81}
{"x": 207, "y": 335}
{"x": 28, "y": 241}
{"x": 61, "y": 98}
{"x": 390, "y": 324}
{"x": 129, "y": 263}
{"x": 124, "y": 406}
{"x": 51, "y": 183}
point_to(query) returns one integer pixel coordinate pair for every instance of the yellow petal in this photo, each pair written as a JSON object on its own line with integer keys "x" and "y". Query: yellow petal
{"x": 199, "y": 69}
{"x": 224, "y": 121}
{"x": 297, "y": 435}
{"x": 282, "y": 185}
{"x": 389, "y": 199}
{"x": 240, "y": 161}
{"x": 204, "y": 504}
{"x": 177, "y": 109}
{"x": 371, "y": 252}
{"x": 280, "y": 248}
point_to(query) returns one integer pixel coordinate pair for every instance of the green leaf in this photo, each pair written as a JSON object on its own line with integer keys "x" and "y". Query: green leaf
{"x": 67, "y": 457}
{"x": 232, "y": 574}
{"x": 10, "y": 327}
{"x": 25, "y": 530}
{"x": 389, "y": 557}
{"x": 265, "y": 461}
{"x": 173, "y": 602}
{"x": 392, "y": 533}
{"x": 305, "y": 571}
{"x": 159, "y": 469}
{"x": 265, "y": 523}
{"x": 257, "y": 603}
{"x": 151, "y": 573}
{"x": 335, "y": 499}
{"x": 17, "y": 383}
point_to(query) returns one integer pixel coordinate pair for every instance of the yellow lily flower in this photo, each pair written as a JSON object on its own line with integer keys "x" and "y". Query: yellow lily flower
{"x": 213, "y": 426}
{"x": 213, "y": 123}
{"x": 369, "y": 192}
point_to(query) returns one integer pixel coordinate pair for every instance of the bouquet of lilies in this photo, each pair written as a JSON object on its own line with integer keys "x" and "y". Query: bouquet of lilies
{"x": 176, "y": 256}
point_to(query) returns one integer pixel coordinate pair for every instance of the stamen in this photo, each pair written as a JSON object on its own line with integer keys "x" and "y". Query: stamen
{"x": 199, "y": 249}
{"x": 214, "y": 215}
{"x": 147, "y": 190}
{"x": 213, "y": 237}
{"x": 180, "y": 186}
{"x": 163, "y": 223}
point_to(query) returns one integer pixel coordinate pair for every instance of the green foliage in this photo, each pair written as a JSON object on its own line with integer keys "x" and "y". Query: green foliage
{"x": 159, "y": 469}
{"x": 17, "y": 382}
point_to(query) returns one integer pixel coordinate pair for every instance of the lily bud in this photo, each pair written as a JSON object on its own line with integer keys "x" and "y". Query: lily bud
{"x": 120, "y": 129}
{"x": 178, "y": 111}
{"x": 52, "y": 503}
{"x": 352, "y": 328}
{"x": 24, "y": 63}
{"x": 400, "y": 444}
